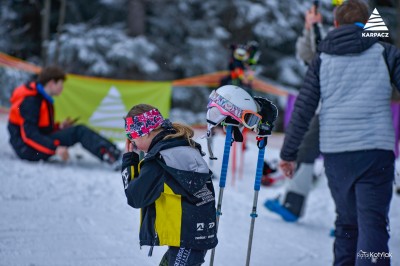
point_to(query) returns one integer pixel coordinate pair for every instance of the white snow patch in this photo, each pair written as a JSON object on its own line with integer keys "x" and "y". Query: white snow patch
{"x": 76, "y": 214}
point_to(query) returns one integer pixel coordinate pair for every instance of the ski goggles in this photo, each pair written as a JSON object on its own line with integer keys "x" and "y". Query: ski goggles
{"x": 142, "y": 124}
{"x": 248, "y": 118}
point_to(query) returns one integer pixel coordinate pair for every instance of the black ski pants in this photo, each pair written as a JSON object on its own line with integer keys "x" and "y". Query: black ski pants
{"x": 361, "y": 183}
{"x": 90, "y": 140}
{"x": 178, "y": 256}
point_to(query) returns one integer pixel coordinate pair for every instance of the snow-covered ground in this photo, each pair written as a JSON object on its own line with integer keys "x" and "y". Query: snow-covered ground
{"x": 76, "y": 214}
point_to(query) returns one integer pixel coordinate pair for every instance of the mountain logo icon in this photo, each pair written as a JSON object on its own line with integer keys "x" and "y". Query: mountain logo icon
{"x": 375, "y": 22}
{"x": 375, "y": 26}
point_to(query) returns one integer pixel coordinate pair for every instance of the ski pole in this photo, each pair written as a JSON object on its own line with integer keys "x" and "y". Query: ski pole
{"x": 257, "y": 181}
{"x": 222, "y": 180}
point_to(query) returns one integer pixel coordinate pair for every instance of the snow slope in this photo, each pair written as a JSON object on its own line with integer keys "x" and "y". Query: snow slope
{"x": 56, "y": 214}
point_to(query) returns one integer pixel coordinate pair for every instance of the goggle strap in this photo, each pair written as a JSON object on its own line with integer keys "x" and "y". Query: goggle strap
{"x": 221, "y": 101}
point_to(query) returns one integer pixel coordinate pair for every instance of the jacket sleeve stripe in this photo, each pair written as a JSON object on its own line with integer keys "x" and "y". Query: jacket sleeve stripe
{"x": 34, "y": 144}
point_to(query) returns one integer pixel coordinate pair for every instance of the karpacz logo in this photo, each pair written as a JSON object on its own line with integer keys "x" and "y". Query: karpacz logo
{"x": 375, "y": 26}
{"x": 376, "y": 34}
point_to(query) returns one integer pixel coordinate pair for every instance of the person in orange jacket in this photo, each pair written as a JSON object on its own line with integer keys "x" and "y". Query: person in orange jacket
{"x": 34, "y": 135}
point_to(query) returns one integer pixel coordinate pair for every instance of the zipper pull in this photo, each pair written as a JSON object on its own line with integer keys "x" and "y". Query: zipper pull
{"x": 151, "y": 248}
{"x": 150, "y": 251}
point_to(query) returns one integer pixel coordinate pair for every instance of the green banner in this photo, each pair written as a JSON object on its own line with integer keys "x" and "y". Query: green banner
{"x": 101, "y": 104}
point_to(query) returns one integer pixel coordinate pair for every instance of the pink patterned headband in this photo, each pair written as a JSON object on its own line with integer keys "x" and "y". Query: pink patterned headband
{"x": 143, "y": 124}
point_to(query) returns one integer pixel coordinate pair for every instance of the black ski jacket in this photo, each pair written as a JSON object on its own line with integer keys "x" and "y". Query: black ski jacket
{"x": 31, "y": 120}
{"x": 176, "y": 196}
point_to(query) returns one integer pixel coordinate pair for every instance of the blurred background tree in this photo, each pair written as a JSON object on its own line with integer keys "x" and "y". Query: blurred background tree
{"x": 161, "y": 40}
{"x": 155, "y": 39}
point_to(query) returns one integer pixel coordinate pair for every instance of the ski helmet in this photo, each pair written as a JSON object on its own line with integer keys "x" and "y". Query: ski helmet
{"x": 241, "y": 54}
{"x": 234, "y": 102}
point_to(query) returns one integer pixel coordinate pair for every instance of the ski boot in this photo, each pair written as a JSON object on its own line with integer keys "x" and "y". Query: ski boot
{"x": 290, "y": 210}
{"x": 112, "y": 156}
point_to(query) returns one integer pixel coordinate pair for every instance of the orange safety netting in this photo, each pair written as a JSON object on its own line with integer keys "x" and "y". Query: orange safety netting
{"x": 208, "y": 80}
{"x": 213, "y": 80}
{"x": 9, "y": 61}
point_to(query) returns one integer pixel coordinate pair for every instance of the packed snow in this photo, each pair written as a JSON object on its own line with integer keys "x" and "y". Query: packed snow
{"x": 76, "y": 214}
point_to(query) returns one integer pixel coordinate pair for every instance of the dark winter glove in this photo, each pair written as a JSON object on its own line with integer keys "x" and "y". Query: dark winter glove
{"x": 236, "y": 129}
{"x": 269, "y": 113}
{"x": 130, "y": 167}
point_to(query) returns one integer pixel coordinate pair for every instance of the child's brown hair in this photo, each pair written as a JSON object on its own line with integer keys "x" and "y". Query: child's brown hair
{"x": 182, "y": 131}
{"x": 51, "y": 73}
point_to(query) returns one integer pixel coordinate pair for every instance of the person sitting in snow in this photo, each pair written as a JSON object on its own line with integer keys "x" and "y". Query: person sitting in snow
{"x": 34, "y": 135}
{"x": 172, "y": 186}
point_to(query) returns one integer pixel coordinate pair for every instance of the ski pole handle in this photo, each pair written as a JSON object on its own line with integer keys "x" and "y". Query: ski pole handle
{"x": 260, "y": 164}
{"x": 225, "y": 159}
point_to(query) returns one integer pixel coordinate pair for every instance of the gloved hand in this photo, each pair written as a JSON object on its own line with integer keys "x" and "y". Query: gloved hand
{"x": 130, "y": 167}
{"x": 269, "y": 113}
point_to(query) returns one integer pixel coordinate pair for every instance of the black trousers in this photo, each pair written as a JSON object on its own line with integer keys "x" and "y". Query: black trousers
{"x": 176, "y": 256}
{"x": 90, "y": 140}
{"x": 309, "y": 148}
{"x": 361, "y": 184}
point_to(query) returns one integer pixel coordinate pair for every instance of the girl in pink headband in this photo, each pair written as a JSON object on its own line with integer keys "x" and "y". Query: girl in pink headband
{"x": 172, "y": 186}
{"x": 140, "y": 123}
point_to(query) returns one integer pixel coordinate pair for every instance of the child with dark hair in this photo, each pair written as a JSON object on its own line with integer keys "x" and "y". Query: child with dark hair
{"x": 172, "y": 186}
{"x": 34, "y": 134}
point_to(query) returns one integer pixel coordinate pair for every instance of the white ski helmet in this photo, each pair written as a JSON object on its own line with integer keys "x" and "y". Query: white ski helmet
{"x": 241, "y": 54}
{"x": 232, "y": 101}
